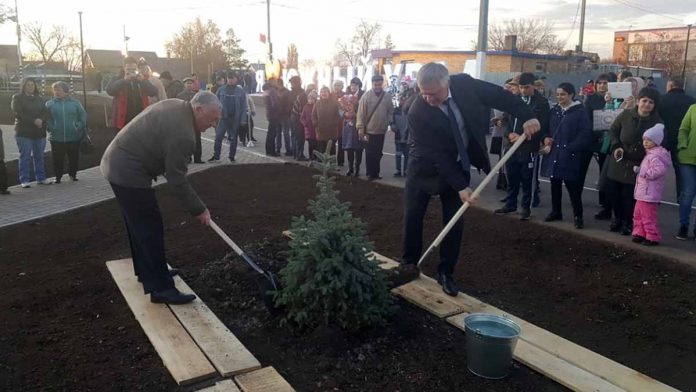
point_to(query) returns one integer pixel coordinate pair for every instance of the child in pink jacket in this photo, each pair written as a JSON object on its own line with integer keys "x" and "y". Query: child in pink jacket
{"x": 650, "y": 183}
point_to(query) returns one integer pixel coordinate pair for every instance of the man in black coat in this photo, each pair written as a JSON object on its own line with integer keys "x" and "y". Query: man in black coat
{"x": 673, "y": 106}
{"x": 447, "y": 137}
{"x": 519, "y": 168}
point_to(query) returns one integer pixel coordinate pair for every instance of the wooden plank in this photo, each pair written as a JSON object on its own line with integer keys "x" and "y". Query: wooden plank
{"x": 223, "y": 349}
{"x": 427, "y": 294}
{"x": 180, "y": 355}
{"x": 553, "y": 367}
{"x": 618, "y": 374}
{"x": 263, "y": 380}
{"x": 221, "y": 386}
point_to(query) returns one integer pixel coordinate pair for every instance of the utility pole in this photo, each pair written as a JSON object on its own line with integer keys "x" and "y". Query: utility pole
{"x": 686, "y": 53}
{"x": 19, "y": 40}
{"x": 582, "y": 27}
{"x": 482, "y": 45}
{"x": 268, "y": 22}
{"x": 82, "y": 60}
{"x": 125, "y": 39}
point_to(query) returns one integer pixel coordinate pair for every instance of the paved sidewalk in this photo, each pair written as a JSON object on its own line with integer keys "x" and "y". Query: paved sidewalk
{"x": 41, "y": 201}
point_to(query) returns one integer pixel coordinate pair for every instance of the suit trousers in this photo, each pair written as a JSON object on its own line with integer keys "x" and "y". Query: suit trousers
{"x": 519, "y": 175}
{"x": 415, "y": 206}
{"x": 59, "y": 150}
{"x": 143, "y": 221}
{"x": 373, "y": 154}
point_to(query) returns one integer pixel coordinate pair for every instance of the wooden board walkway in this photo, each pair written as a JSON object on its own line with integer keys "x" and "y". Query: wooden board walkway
{"x": 559, "y": 359}
{"x": 180, "y": 354}
{"x": 223, "y": 349}
{"x": 263, "y": 380}
{"x": 221, "y": 386}
{"x": 192, "y": 342}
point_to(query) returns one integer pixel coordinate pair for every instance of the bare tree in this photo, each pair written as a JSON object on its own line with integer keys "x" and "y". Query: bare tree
{"x": 202, "y": 43}
{"x": 46, "y": 43}
{"x": 6, "y": 14}
{"x": 533, "y": 36}
{"x": 346, "y": 54}
{"x": 364, "y": 39}
{"x": 293, "y": 57}
{"x": 234, "y": 50}
{"x": 660, "y": 51}
{"x": 70, "y": 55}
{"x": 366, "y": 36}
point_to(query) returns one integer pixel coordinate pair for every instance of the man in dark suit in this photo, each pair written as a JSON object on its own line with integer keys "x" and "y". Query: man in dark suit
{"x": 448, "y": 135}
{"x": 672, "y": 108}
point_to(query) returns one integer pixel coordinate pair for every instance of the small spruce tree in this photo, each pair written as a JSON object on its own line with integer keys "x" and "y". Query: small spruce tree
{"x": 328, "y": 278}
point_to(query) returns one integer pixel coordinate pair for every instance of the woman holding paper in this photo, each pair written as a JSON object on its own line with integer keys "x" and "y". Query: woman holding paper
{"x": 627, "y": 151}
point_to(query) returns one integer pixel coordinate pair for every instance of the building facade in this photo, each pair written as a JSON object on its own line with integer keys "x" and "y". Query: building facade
{"x": 656, "y": 48}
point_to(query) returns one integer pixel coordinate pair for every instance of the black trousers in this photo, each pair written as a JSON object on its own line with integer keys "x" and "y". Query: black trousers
{"x": 251, "y": 128}
{"x": 298, "y": 139}
{"x": 373, "y": 154}
{"x": 340, "y": 155}
{"x": 3, "y": 176}
{"x": 415, "y": 205}
{"x": 354, "y": 160}
{"x": 586, "y": 161}
{"x": 311, "y": 147}
{"x": 519, "y": 175}
{"x": 199, "y": 148}
{"x": 274, "y": 128}
{"x": 59, "y": 150}
{"x": 574, "y": 191}
{"x": 145, "y": 236}
{"x": 620, "y": 198}
{"x": 244, "y": 134}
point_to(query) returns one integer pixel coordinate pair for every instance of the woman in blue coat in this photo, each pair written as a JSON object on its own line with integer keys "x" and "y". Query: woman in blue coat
{"x": 570, "y": 135}
{"x": 66, "y": 129}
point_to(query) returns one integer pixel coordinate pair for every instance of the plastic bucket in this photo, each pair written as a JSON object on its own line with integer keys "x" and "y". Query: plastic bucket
{"x": 490, "y": 342}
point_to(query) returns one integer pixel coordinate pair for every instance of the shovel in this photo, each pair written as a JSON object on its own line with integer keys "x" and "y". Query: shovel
{"x": 477, "y": 191}
{"x": 267, "y": 282}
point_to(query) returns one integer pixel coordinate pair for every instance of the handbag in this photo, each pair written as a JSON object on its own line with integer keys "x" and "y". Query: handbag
{"x": 86, "y": 146}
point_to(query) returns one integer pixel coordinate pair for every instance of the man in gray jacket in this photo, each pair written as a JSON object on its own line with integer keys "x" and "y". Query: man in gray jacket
{"x": 157, "y": 142}
{"x": 375, "y": 111}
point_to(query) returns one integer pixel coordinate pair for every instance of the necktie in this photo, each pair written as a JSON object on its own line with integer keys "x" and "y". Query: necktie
{"x": 458, "y": 138}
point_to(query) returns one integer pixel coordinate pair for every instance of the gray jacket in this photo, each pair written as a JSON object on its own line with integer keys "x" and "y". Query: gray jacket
{"x": 157, "y": 142}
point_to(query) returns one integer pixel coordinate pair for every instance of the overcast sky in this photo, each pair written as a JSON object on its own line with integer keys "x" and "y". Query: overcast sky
{"x": 314, "y": 26}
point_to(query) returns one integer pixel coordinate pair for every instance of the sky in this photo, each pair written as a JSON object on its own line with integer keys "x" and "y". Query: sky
{"x": 314, "y": 26}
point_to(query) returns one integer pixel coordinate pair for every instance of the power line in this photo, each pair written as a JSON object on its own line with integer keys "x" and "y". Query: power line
{"x": 645, "y": 9}
{"x": 575, "y": 20}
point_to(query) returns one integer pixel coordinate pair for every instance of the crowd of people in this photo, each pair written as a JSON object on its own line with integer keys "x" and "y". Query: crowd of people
{"x": 651, "y": 133}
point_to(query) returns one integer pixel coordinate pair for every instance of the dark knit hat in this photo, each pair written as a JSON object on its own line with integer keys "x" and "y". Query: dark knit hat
{"x": 378, "y": 78}
{"x": 356, "y": 81}
{"x": 527, "y": 79}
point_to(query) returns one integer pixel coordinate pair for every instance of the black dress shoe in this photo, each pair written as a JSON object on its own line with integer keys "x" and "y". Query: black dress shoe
{"x": 615, "y": 226}
{"x": 627, "y": 230}
{"x": 171, "y": 296}
{"x": 579, "y": 222}
{"x": 505, "y": 210}
{"x": 448, "y": 285}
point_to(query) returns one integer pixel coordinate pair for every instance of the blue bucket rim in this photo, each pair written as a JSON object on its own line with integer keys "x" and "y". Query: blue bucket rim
{"x": 495, "y": 318}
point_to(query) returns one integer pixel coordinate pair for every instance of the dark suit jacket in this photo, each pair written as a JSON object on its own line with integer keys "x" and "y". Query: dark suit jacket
{"x": 433, "y": 152}
{"x": 672, "y": 108}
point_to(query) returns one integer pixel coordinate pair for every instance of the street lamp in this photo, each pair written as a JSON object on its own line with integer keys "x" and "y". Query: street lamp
{"x": 689, "y": 21}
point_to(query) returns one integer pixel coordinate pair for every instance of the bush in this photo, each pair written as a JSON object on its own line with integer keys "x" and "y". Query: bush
{"x": 328, "y": 278}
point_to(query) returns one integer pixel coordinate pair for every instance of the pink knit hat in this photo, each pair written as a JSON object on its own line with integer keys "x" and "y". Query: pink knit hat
{"x": 656, "y": 133}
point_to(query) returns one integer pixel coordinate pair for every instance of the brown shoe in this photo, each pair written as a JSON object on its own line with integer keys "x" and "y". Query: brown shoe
{"x": 402, "y": 274}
